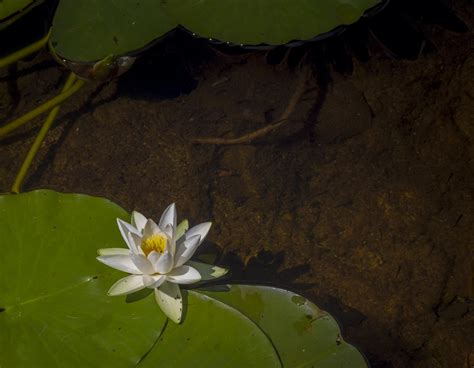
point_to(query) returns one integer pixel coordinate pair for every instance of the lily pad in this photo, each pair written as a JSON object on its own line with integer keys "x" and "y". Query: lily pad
{"x": 90, "y": 30}
{"x": 53, "y": 291}
{"x": 213, "y": 335}
{"x": 54, "y": 309}
{"x": 10, "y": 7}
{"x": 272, "y": 22}
{"x": 11, "y": 10}
{"x": 303, "y": 335}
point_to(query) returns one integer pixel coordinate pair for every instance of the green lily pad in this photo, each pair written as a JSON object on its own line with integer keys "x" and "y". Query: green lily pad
{"x": 54, "y": 310}
{"x": 10, "y": 7}
{"x": 11, "y": 10}
{"x": 90, "y": 30}
{"x": 212, "y": 335}
{"x": 303, "y": 335}
{"x": 273, "y": 22}
{"x": 53, "y": 291}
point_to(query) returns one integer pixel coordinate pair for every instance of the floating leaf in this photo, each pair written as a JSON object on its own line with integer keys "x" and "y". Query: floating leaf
{"x": 53, "y": 291}
{"x": 90, "y": 30}
{"x": 11, "y": 10}
{"x": 10, "y": 7}
{"x": 212, "y": 335}
{"x": 54, "y": 307}
{"x": 303, "y": 335}
{"x": 274, "y": 22}
{"x": 208, "y": 272}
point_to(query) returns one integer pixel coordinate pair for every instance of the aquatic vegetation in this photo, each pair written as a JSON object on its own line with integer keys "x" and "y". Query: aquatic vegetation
{"x": 12, "y": 10}
{"x": 54, "y": 306}
{"x": 54, "y": 301}
{"x": 120, "y": 29}
{"x": 99, "y": 40}
{"x": 157, "y": 258}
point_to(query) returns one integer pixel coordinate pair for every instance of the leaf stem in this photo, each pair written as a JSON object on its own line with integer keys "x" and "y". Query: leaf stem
{"x": 20, "y": 177}
{"x": 20, "y": 54}
{"x": 41, "y": 109}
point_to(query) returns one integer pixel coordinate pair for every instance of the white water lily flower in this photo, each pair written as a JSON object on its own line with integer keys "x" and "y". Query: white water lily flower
{"x": 158, "y": 257}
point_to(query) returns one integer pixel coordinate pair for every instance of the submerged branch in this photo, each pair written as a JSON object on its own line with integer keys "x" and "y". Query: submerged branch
{"x": 259, "y": 133}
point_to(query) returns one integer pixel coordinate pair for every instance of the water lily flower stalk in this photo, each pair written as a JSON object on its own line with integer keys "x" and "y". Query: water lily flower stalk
{"x": 159, "y": 257}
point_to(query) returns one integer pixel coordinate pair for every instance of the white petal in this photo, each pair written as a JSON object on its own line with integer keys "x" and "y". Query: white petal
{"x": 168, "y": 217}
{"x": 186, "y": 249}
{"x": 201, "y": 230}
{"x": 127, "y": 285}
{"x": 172, "y": 246}
{"x": 164, "y": 263}
{"x": 207, "y": 271}
{"x": 153, "y": 281}
{"x": 171, "y": 243}
{"x": 181, "y": 229}
{"x": 153, "y": 257}
{"x": 138, "y": 220}
{"x": 150, "y": 229}
{"x": 143, "y": 264}
{"x": 168, "y": 297}
{"x": 135, "y": 242}
{"x": 169, "y": 231}
{"x": 120, "y": 262}
{"x": 113, "y": 251}
{"x": 184, "y": 275}
{"x": 126, "y": 228}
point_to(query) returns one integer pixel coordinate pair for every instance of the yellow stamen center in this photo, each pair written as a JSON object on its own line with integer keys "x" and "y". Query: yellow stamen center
{"x": 155, "y": 243}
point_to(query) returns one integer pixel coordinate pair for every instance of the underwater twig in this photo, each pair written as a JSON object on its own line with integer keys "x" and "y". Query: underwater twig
{"x": 20, "y": 54}
{"x": 249, "y": 137}
{"x": 20, "y": 177}
{"x": 41, "y": 109}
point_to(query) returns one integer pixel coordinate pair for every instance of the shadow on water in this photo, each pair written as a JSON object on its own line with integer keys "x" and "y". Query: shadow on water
{"x": 166, "y": 70}
{"x": 29, "y": 28}
{"x": 14, "y": 73}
